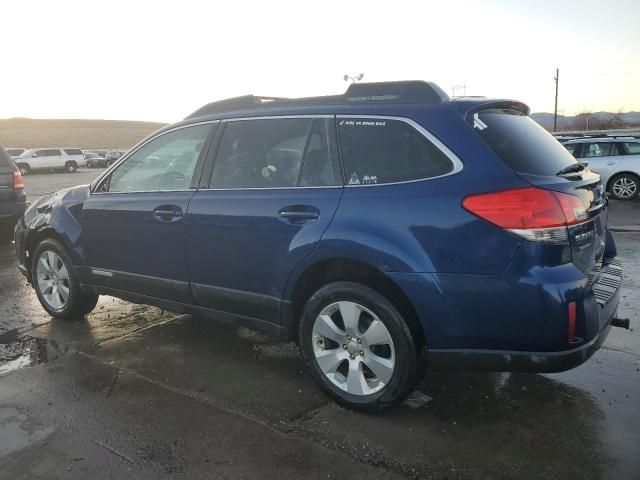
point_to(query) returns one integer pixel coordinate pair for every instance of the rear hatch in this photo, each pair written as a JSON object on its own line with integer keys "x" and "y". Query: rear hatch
{"x": 7, "y": 167}
{"x": 540, "y": 160}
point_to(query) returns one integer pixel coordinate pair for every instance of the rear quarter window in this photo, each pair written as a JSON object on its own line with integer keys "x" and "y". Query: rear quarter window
{"x": 522, "y": 144}
{"x": 381, "y": 150}
{"x": 633, "y": 148}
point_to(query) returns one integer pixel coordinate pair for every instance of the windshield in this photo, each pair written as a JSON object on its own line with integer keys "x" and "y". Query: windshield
{"x": 521, "y": 143}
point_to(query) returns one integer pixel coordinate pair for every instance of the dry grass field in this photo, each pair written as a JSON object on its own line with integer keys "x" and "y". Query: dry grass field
{"x": 32, "y": 133}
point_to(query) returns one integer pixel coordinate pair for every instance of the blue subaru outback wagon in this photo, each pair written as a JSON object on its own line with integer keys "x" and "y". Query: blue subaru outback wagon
{"x": 384, "y": 229}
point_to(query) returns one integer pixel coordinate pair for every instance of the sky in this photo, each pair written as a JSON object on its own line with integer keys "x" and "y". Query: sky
{"x": 160, "y": 60}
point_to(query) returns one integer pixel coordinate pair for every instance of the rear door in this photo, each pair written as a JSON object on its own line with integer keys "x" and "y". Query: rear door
{"x": 273, "y": 191}
{"x": 538, "y": 158}
{"x": 602, "y": 157}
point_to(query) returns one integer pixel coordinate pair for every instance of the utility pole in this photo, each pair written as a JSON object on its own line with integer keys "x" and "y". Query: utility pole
{"x": 555, "y": 110}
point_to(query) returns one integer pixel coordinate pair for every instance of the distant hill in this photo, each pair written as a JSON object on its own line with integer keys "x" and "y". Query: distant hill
{"x": 568, "y": 121}
{"x": 31, "y": 133}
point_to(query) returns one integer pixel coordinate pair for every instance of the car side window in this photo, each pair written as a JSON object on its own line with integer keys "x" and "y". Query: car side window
{"x": 633, "y": 148}
{"x": 571, "y": 147}
{"x": 381, "y": 150}
{"x": 165, "y": 163}
{"x": 320, "y": 167}
{"x": 601, "y": 150}
{"x": 261, "y": 153}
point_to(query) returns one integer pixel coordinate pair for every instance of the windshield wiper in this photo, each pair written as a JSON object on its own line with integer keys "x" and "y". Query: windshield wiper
{"x": 573, "y": 168}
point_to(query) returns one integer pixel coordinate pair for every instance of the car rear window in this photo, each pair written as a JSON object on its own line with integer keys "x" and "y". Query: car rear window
{"x": 73, "y": 151}
{"x": 521, "y": 143}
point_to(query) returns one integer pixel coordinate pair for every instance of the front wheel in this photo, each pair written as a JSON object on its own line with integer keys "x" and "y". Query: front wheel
{"x": 71, "y": 167}
{"x": 56, "y": 284}
{"x": 358, "y": 347}
{"x": 625, "y": 186}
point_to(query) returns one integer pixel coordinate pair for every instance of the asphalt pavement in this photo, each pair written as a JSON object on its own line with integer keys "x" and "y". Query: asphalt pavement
{"x": 134, "y": 392}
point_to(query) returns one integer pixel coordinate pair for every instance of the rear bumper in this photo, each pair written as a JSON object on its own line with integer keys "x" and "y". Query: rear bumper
{"x": 513, "y": 361}
{"x": 489, "y": 324}
{"x": 10, "y": 213}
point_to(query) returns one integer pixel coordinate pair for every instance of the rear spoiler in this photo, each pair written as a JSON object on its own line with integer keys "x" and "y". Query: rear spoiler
{"x": 470, "y": 106}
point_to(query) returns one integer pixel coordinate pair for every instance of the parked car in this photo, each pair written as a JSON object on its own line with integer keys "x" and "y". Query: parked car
{"x": 384, "y": 229}
{"x": 616, "y": 159}
{"x": 94, "y": 160}
{"x": 15, "y": 152}
{"x": 112, "y": 155}
{"x": 13, "y": 201}
{"x": 37, "y": 159}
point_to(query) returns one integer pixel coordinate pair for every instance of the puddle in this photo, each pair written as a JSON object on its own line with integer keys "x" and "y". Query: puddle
{"x": 17, "y": 431}
{"x": 19, "y": 351}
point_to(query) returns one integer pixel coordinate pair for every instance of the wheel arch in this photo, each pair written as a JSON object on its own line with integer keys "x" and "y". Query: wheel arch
{"x": 618, "y": 173}
{"x": 336, "y": 269}
{"x": 36, "y": 236}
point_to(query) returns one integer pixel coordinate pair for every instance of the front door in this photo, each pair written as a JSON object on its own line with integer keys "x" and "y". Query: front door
{"x": 274, "y": 189}
{"x": 133, "y": 224}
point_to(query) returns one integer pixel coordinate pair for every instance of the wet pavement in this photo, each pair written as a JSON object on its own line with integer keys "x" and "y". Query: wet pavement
{"x": 135, "y": 392}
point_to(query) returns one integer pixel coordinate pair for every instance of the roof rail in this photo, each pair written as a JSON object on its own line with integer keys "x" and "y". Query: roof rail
{"x": 235, "y": 103}
{"x": 411, "y": 91}
{"x": 577, "y": 136}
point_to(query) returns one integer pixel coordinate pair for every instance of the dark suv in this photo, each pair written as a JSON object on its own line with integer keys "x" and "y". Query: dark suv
{"x": 13, "y": 200}
{"x": 383, "y": 229}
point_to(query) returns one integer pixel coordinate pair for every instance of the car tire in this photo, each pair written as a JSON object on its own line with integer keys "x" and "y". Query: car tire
{"x": 71, "y": 167}
{"x": 624, "y": 186}
{"x": 360, "y": 367}
{"x": 52, "y": 275}
{"x": 24, "y": 168}
{"x": 89, "y": 164}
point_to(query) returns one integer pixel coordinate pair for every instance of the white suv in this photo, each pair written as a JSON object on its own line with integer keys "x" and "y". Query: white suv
{"x": 616, "y": 159}
{"x": 67, "y": 159}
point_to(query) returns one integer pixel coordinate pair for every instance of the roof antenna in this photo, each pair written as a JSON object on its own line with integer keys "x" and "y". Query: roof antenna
{"x": 354, "y": 78}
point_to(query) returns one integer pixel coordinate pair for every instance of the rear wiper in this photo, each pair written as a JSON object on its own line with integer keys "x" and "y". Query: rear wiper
{"x": 573, "y": 168}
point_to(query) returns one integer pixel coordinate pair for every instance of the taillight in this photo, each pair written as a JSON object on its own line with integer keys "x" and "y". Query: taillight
{"x": 18, "y": 181}
{"x": 533, "y": 213}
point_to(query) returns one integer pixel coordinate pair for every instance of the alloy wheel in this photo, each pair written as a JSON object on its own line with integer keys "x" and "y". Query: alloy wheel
{"x": 625, "y": 187}
{"x": 353, "y": 348}
{"x": 53, "y": 279}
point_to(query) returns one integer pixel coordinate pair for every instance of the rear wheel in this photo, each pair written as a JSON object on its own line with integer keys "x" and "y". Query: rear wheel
{"x": 89, "y": 164}
{"x": 624, "y": 186}
{"x": 56, "y": 284}
{"x": 358, "y": 347}
{"x": 71, "y": 167}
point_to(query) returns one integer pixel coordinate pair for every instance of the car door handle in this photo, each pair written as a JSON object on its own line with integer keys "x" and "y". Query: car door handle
{"x": 611, "y": 163}
{"x": 167, "y": 213}
{"x": 299, "y": 213}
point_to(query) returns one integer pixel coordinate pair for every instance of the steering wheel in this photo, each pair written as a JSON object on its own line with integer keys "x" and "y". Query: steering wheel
{"x": 172, "y": 180}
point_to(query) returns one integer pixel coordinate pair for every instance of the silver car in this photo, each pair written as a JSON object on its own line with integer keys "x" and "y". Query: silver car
{"x": 617, "y": 160}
